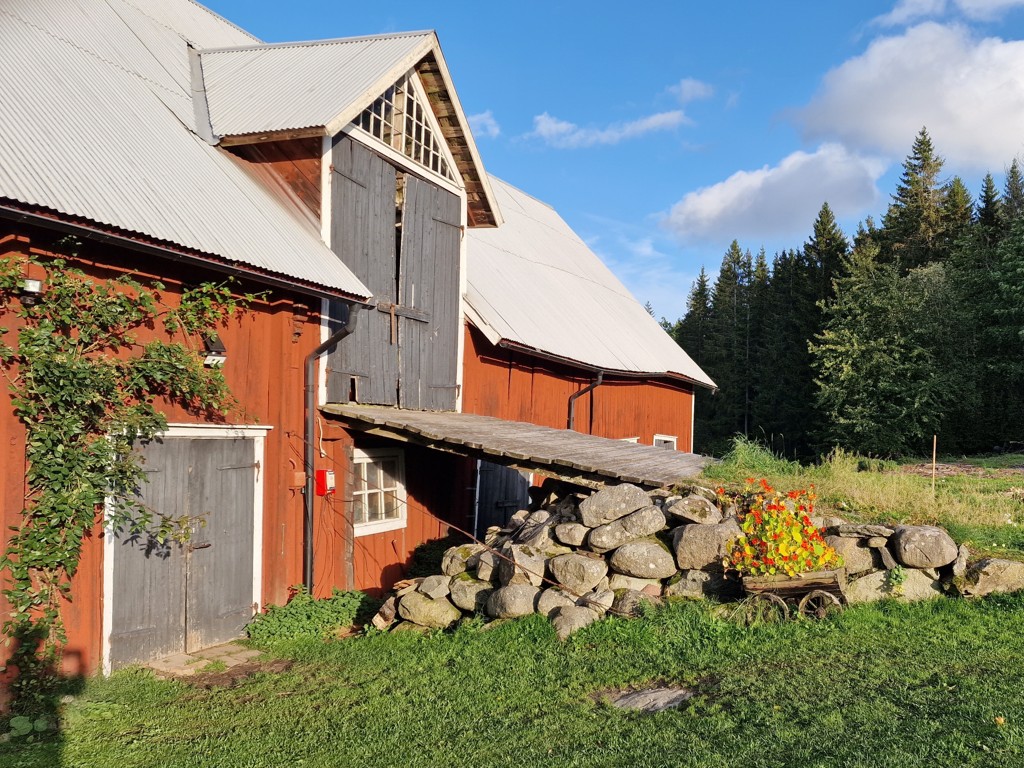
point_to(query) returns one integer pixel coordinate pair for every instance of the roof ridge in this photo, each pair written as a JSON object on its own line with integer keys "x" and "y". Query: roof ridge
{"x": 314, "y": 43}
{"x": 226, "y": 21}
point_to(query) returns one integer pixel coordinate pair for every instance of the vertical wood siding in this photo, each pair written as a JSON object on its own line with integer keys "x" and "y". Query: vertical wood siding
{"x": 511, "y": 385}
{"x": 295, "y": 164}
{"x": 264, "y": 369}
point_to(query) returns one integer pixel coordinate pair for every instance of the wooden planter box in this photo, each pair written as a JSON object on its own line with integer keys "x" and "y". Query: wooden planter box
{"x": 785, "y": 586}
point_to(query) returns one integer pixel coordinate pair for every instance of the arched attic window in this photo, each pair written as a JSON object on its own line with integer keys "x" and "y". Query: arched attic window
{"x": 399, "y": 118}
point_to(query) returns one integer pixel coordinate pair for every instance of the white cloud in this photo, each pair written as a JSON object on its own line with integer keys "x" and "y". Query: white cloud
{"x": 779, "y": 201}
{"x": 908, "y": 11}
{"x": 484, "y": 124}
{"x": 985, "y": 10}
{"x": 688, "y": 89}
{"x": 969, "y": 93}
{"x": 566, "y": 135}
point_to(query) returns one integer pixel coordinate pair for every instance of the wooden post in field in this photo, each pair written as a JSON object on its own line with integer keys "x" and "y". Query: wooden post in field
{"x": 935, "y": 447}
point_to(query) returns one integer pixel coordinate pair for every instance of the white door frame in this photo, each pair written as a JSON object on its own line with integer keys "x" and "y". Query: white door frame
{"x": 256, "y": 433}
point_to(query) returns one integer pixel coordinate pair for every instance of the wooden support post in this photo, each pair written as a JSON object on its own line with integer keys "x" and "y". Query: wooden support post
{"x": 935, "y": 447}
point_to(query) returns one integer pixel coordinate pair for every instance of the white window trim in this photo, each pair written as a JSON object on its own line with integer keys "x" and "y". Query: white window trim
{"x": 629, "y": 439}
{"x": 674, "y": 440}
{"x": 360, "y": 455}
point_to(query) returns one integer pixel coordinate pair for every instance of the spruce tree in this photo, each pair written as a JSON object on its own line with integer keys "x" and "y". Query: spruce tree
{"x": 912, "y": 227}
{"x": 1013, "y": 195}
{"x": 990, "y": 210}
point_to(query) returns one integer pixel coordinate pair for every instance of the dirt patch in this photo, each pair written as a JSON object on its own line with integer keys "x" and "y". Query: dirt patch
{"x": 958, "y": 469}
{"x": 653, "y": 697}
{"x": 231, "y": 677}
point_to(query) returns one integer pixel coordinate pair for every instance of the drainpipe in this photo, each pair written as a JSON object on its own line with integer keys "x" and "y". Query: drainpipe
{"x": 577, "y": 395}
{"x": 308, "y": 438}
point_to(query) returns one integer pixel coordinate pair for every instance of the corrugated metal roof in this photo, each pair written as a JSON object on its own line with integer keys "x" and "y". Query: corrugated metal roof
{"x": 290, "y": 86}
{"x": 98, "y": 124}
{"x": 533, "y": 282}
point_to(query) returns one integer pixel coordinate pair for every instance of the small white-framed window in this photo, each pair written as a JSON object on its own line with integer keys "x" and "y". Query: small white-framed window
{"x": 666, "y": 441}
{"x": 630, "y": 439}
{"x": 378, "y": 490}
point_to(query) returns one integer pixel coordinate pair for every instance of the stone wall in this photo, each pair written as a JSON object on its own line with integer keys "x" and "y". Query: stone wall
{"x": 580, "y": 557}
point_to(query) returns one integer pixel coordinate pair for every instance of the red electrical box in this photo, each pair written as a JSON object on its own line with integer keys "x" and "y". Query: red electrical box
{"x": 324, "y": 482}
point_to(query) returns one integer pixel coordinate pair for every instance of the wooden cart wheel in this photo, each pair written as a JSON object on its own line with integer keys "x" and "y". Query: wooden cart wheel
{"x": 819, "y": 604}
{"x": 763, "y": 608}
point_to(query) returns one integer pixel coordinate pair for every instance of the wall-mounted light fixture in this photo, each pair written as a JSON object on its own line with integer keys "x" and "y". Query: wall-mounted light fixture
{"x": 31, "y": 289}
{"x": 216, "y": 353}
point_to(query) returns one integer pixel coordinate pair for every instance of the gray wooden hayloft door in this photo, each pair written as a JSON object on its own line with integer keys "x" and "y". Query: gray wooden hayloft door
{"x": 429, "y": 283}
{"x": 363, "y": 217}
{"x": 173, "y": 598}
{"x": 405, "y": 347}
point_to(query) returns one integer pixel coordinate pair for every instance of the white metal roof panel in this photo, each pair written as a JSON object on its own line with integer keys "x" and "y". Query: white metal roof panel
{"x": 291, "y": 86}
{"x": 97, "y": 123}
{"x": 535, "y": 283}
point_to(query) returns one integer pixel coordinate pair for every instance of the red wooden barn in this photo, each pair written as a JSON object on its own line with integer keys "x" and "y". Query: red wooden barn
{"x": 449, "y": 326}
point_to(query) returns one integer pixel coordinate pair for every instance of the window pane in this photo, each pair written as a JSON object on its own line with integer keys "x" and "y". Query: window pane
{"x": 388, "y": 473}
{"x": 376, "y": 510}
{"x": 390, "y": 505}
{"x": 359, "y": 479}
{"x": 358, "y": 509}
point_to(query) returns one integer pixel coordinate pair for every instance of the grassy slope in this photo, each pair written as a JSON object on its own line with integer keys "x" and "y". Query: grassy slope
{"x": 886, "y": 685}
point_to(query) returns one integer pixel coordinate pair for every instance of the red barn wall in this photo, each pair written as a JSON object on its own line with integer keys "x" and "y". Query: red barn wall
{"x": 266, "y": 348}
{"x": 516, "y": 386}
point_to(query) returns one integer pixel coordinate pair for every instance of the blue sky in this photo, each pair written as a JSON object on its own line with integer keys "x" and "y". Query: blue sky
{"x": 663, "y": 130}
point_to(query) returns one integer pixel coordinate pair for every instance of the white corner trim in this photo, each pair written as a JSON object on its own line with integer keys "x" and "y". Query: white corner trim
{"x": 321, "y": 368}
{"x": 326, "y": 199}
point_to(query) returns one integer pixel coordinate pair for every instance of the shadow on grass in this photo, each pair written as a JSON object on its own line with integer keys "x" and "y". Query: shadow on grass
{"x": 34, "y": 691}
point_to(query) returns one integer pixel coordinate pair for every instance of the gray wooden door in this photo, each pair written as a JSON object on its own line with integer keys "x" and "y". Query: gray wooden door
{"x": 363, "y": 217}
{"x": 501, "y": 492}
{"x": 428, "y": 285}
{"x": 405, "y": 347}
{"x": 173, "y": 597}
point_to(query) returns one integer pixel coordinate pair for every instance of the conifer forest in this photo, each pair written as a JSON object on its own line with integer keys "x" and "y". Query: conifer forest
{"x": 911, "y": 328}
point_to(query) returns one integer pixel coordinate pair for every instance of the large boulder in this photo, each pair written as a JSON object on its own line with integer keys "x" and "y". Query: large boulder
{"x": 460, "y": 559}
{"x": 916, "y": 585}
{"x": 993, "y": 575}
{"x": 702, "y": 547}
{"x": 512, "y": 601}
{"x": 695, "y": 509}
{"x": 578, "y": 573}
{"x": 553, "y": 598}
{"x": 630, "y": 602}
{"x": 571, "y": 534}
{"x": 922, "y": 546}
{"x": 699, "y": 584}
{"x": 857, "y": 558}
{"x": 427, "y": 612}
{"x": 645, "y": 559}
{"x": 568, "y": 619}
{"x": 611, "y": 503}
{"x": 520, "y": 564}
{"x": 470, "y": 594}
{"x": 636, "y": 525}
{"x": 487, "y": 566}
{"x": 435, "y": 586}
{"x": 618, "y": 581}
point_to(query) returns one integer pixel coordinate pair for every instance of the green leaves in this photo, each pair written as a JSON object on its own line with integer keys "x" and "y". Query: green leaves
{"x": 86, "y": 391}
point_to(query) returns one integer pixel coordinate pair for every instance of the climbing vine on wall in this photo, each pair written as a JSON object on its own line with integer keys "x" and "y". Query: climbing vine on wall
{"x": 87, "y": 387}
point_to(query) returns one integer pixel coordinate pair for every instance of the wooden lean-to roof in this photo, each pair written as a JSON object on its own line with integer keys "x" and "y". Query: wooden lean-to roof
{"x": 561, "y": 453}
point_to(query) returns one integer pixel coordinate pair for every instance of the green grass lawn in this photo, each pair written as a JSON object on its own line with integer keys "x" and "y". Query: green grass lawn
{"x": 935, "y": 684}
{"x": 882, "y": 685}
